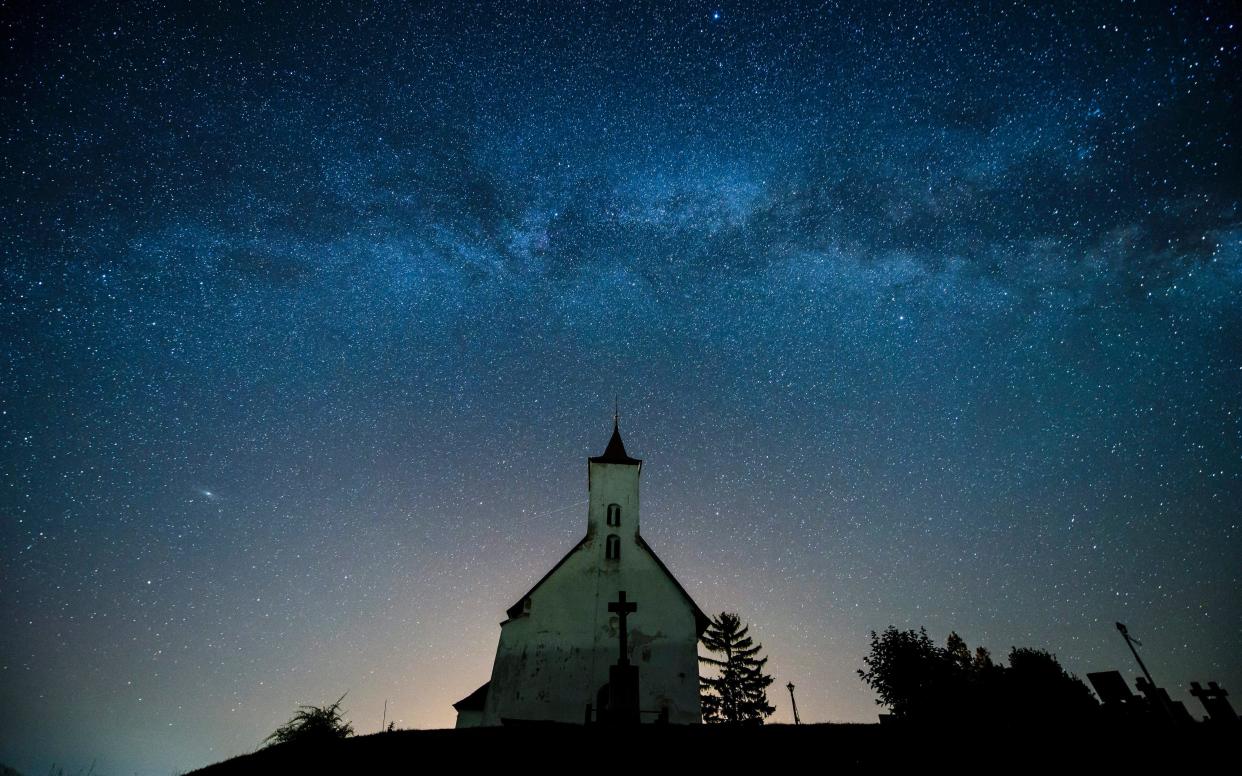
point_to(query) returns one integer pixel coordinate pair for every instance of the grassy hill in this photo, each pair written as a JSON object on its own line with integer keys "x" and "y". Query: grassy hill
{"x": 804, "y": 748}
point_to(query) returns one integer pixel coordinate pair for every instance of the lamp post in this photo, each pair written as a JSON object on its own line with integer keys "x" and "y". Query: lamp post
{"x": 790, "y": 686}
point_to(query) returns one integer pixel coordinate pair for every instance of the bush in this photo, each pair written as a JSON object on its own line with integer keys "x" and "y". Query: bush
{"x": 312, "y": 725}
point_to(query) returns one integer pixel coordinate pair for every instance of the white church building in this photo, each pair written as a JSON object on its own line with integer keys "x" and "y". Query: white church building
{"x": 561, "y": 644}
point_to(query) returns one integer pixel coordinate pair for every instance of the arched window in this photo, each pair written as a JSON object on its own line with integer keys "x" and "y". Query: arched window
{"x": 614, "y": 514}
{"x": 612, "y": 550}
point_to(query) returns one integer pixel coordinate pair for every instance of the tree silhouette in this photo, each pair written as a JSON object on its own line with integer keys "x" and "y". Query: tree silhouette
{"x": 739, "y": 693}
{"x": 918, "y": 680}
{"x": 313, "y": 724}
{"x": 1047, "y": 689}
{"x": 906, "y": 670}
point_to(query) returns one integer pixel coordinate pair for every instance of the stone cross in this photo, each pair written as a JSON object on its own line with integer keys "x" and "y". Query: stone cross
{"x": 1214, "y": 701}
{"x": 622, "y": 609}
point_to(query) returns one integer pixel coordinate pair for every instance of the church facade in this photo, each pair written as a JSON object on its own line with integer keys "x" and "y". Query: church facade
{"x": 607, "y": 617}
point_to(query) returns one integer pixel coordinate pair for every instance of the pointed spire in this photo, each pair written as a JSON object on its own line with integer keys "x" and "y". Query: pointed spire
{"x": 615, "y": 452}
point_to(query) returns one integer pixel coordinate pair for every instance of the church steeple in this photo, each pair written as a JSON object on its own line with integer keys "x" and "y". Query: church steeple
{"x": 615, "y": 452}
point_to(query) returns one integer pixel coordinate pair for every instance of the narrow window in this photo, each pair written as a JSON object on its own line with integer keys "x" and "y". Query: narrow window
{"x": 614, "y": 514}
{"x": 612, "y": 550}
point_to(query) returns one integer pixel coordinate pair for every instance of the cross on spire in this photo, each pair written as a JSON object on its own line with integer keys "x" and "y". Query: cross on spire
{"x": 622, "y": 609}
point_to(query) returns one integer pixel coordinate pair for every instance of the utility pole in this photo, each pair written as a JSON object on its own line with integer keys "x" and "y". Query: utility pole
{"x": 797, "y": 721}
{"x": 384, "y": 722}
{"x": 1130, "y": 642}
{"x": 1158, "y": 697}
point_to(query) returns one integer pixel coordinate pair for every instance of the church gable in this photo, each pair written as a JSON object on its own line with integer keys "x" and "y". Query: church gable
{"x": 526, "y": 602}
{"x": 523, "y": 603}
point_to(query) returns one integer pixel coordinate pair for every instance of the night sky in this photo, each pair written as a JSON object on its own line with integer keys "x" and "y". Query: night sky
{"x": 311, "y": 316}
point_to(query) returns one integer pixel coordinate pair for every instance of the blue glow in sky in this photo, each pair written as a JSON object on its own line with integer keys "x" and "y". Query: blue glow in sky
{"x": 918, "y": 315}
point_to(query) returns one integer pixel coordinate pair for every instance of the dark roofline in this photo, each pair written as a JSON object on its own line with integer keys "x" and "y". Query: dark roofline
{"x": 475, "y": 700}
{"x": 516, "y": 610}
{"x": 701, "y": 620}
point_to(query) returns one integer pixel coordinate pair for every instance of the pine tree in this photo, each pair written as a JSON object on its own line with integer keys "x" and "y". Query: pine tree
{"x": 739, "y": 692}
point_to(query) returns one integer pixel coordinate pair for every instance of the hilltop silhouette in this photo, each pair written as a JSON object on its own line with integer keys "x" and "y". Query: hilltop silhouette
{"x": 848, "y": 747}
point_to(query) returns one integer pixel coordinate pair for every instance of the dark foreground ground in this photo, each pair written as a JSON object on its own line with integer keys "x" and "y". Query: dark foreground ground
{"x": 963, "y": 748}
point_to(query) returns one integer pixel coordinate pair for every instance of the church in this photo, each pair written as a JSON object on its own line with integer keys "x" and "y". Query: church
{"x": 608, "y": 635}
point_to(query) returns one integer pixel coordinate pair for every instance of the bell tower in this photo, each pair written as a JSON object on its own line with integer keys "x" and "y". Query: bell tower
{"x": 612, "y": 482}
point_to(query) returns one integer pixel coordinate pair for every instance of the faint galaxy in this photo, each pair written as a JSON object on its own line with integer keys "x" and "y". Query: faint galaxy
{"x": 919, "y": 314}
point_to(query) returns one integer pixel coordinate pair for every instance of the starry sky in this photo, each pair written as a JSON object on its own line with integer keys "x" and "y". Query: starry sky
{"x": 311, "y": 315}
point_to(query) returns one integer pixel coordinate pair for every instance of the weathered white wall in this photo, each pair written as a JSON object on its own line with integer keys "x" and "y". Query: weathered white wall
{"x": 612, "y": 483}
{"x": 551, "y": 661}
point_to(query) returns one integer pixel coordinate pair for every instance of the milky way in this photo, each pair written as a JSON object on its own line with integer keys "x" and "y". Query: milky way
{"x": 311, "y": 316}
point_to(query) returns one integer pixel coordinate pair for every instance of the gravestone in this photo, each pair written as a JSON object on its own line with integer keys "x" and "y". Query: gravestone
{"x": 1214, "y": 700}
{"x": 1161, "y": 703}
